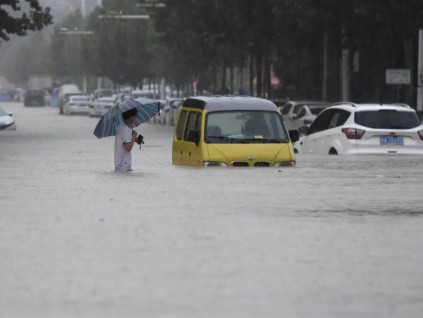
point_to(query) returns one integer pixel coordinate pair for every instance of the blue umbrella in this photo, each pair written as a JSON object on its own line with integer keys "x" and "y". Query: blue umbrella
{"x": 147, "y": 108}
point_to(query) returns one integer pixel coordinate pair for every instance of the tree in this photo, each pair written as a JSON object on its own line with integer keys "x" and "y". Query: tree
{"x": 14, "y": 20}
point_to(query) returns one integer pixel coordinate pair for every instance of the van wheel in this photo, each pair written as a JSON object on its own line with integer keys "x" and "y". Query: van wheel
{"x": 333, "y": 152}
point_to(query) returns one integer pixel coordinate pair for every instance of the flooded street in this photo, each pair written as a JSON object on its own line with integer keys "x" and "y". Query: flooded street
{"x": 332, "y": 237}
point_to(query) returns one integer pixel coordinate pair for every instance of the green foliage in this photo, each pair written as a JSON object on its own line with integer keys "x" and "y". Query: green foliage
{"x": 14, "y": 20}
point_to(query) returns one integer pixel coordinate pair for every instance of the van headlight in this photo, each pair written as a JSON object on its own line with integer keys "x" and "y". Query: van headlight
{"x": 285, "y": 164}
{"x": 214, "y": 164}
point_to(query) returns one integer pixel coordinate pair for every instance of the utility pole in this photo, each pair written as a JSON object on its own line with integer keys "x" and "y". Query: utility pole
{"x": 420, "y": 74}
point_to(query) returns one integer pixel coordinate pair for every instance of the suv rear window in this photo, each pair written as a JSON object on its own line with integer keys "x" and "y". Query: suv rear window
{"x": 387, "y": 119}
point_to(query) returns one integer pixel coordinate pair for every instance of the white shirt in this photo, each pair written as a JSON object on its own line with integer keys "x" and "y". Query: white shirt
{"x": 123, "y": 159}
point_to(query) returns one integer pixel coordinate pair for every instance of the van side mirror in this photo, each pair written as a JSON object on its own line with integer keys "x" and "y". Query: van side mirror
{"x": 294, "y": 135}
{"x": 303, "y": 130}
{"x": 194, "y": 136}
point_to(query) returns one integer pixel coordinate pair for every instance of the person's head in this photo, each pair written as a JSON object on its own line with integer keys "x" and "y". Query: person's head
{"x": 130, "y": 116}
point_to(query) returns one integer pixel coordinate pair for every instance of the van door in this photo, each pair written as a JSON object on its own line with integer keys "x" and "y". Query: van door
{"x": 178, "y": 143}
{"x": 193, "y": 150}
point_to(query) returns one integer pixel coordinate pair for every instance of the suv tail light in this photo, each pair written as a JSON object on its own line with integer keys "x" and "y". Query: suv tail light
{"x": 353, "y": 133}
{"x": 420, "y": 134}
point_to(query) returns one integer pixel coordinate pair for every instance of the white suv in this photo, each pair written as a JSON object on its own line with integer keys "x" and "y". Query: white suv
{"x": 348, "y": 128}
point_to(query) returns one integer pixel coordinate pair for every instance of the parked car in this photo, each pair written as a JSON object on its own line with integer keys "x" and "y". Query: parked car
{"x": 170, "y": 111}
{"x": 291, "y": 109}
{"x": 7, "y": 122}
{"x": 348, "y": 128}
{"x": 65, "y": 92}
{"x": 103, "y": 92}
{"x": 77, "y": 104}
{"x": 232, "y": 132}
{"x": 35, "y": 97}
{"x": 99, "y": 107}
{"x": 143, "y": 94}
{"x": 306, "y": 115}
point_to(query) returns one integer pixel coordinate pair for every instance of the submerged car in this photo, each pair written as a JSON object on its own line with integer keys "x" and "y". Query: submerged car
{"x": 77, "y": 104}
{"x": 348, "y": 128}
{"x": 291, "y": 109}
{"x": 6, "y": 121}
{"x": 232, "y": 132}
{"x": 35, "y": 97}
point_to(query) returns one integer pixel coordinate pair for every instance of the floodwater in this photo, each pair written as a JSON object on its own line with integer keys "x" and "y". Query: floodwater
{"x": 333, "y": 237}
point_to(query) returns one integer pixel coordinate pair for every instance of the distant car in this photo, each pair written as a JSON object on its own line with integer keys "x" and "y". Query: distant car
{"x": 99, "y": 107}
{"x": 143, "y": 94}
{"x": 6, "y": 121}
{"x": 77, "y": 104}
{"x": 64, "y": 93}
{"x": 347, "y": 128}
{"x": 306, "y": 115}
{"x": 103, "y": 92}
{"x": 291, "y": 108}
{"x": 170, "y": 111}
{"x": 35, "y": 97}
{"x": 5, "y": 96}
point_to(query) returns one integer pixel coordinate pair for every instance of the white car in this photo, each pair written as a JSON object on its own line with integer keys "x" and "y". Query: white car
{"x": 143, "y": 94}
{"x": 6, "y": 121}
{"x": 170, "y": 111}
{"x": 77, "y": 104}
{"x": 348, "y": 128}
{"x": 291, "y": 109}
{"x": 306, "y": 115}
{"x": 100, "y": 106}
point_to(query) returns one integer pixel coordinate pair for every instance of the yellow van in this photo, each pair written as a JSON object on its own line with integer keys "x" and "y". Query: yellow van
{"x": 232, "y": 132}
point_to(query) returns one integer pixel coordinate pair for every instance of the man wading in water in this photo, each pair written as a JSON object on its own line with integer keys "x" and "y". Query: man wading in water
{"x": 124, "y": 142}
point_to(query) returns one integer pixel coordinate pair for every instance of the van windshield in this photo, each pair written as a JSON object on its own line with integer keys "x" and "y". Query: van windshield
{"x": 245, "y": 127}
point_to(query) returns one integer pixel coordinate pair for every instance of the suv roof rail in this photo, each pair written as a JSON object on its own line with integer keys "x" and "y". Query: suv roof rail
{"x": 401, "y": 105}
{"x": 345, "y": 103}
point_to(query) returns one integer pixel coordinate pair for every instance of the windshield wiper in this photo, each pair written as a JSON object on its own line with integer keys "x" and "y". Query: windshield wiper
{"x": 226, "y": 138}
{"x": 268, "y": 140}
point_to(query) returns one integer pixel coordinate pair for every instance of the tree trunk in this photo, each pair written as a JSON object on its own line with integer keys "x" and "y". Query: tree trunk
{"x": 252, "y": 75}
{"x": 259, "y": 68}
{"x": 223, "y": 83}
{"x": 268, "y": 75}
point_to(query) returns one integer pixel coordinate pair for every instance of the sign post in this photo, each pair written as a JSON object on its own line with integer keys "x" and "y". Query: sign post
{"x": 398, "y": 77}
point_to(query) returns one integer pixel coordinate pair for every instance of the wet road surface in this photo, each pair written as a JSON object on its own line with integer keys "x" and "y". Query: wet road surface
{"x": 333, "y": 237}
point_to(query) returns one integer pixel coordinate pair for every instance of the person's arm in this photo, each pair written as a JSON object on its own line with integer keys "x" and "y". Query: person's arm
{"x": 130, "y": 144}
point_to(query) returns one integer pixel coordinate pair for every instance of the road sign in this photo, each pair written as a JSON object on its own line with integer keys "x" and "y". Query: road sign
{"x": 398, "y": 77}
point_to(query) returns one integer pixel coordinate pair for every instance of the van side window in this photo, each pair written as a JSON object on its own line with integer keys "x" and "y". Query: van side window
{"x": 192, "y": 119}
{"x": 181, "y": 125}
{"x": 198, "y": 123}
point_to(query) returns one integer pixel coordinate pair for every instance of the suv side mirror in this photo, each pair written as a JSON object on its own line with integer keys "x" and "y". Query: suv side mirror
{"x": 303, "y": 130}
{"x": 194, "y": 136}
{"x": 10, "y": 114}
{"x": 294, "y": 135}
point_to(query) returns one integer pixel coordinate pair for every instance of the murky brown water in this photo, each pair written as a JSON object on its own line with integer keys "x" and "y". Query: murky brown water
{"x": 333, "y": 237}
